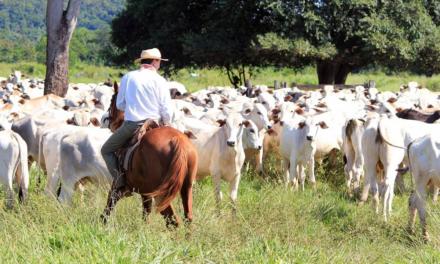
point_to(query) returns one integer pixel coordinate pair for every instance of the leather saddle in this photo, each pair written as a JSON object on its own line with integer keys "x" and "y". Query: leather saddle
{"x": 125, "y": 154}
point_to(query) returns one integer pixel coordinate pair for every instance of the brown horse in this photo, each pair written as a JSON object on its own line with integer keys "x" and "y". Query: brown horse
{"x": 164, "y": 163}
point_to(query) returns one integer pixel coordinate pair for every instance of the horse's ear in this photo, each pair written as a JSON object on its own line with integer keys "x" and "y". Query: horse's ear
{"x": 221, "y": 122}
{"x": 115, "y": 87}
{"x": 190, "y": 134}
{"x": 95, "y": 122}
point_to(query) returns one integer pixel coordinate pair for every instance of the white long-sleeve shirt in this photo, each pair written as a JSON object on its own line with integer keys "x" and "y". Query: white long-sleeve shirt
{"x": 144, "y": 94}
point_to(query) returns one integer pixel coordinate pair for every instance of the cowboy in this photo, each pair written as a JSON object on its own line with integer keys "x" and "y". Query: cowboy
{"x": 143, "y": 95}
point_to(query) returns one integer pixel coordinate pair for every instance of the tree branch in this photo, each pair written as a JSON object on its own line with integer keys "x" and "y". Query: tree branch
{"x": 72, "y": 10}
{"x": 54, "y": 15}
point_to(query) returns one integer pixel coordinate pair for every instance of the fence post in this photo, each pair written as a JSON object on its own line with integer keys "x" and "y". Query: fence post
{"x": 276, "y": 85}
{"x": 248, "y": 85}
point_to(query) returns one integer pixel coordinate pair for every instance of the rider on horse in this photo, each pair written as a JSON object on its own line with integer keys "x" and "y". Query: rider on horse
{"x": 143, "y": 95}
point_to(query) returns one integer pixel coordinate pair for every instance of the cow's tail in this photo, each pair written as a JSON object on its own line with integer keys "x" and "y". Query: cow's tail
{"x": 351, "y": 126}
{"x": 175, "y": 176}
{"x": 22, "y": 164}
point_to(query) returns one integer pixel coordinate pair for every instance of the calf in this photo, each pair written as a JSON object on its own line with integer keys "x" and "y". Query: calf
{"x": 220, "y": 151}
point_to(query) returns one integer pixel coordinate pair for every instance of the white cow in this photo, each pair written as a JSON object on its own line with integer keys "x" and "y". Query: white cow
{"x": 81, "y": 160}
{"x": 395, "y": 135}
{"x": 297, "y": 148}
{"x": 13, "y": 165}
{"x": 220, "y": 151}
{"x": 424, "y": 161}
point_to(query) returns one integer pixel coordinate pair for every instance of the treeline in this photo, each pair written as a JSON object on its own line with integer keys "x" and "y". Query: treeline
{"x": 337, "y": 36}
{"x": 23, "y": 30}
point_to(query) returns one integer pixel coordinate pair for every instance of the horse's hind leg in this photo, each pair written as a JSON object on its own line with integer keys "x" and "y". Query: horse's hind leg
{"x": 187, "y": 200}
{"x": 146, "y": 202}
{"x": 170, "y": 217}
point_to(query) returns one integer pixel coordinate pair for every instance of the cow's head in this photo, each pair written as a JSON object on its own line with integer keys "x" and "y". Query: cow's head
{"x": 233, "y": 129}
{"x": 311, "y": 128}
{"x": 251, "y": 136}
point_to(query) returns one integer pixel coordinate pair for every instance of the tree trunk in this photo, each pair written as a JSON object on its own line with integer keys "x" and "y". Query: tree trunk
{"x": 60, "y": 25}
{"x": 332, "y": 72}
{"x": 342, "y": 74}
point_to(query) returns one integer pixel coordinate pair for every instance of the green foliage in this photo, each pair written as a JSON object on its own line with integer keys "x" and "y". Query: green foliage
{"x": 338, "y": 36}
{"x": 22, "y": 31}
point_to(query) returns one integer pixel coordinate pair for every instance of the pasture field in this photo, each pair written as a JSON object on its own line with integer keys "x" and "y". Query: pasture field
{"x": 209, "y": 77}
{"x": 273, "y": 225}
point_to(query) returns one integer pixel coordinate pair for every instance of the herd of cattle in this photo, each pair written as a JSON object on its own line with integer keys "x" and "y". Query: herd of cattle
{"x": 372, "y": 129}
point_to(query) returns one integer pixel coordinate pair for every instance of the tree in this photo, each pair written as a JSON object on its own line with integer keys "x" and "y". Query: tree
{"x": 193, "y": 33}
{"x": 345, "y": 35}
{"x": 337, "y": 36}
{"x": 60, "y": 24}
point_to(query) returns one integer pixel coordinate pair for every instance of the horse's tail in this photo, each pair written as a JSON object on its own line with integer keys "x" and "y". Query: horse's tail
{"x": 175, "y": 176}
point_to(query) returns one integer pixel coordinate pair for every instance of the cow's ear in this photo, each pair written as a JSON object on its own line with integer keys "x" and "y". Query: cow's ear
{"x": 190, "y": 134}
{"x": 276, "y": 111}
{"x": 186, "y": 111}
{"x": 221, "y": 122}
{"x": 95, "y": 122}
{"x": 288, "y": 98}
{"x": 21, "y": 101}
{"x": 299, "y": 111}
{"x": 66, "y": 107}
{"x": 301, "y": 125}
{"x": 246, "y": 123}
{"x": 392, "y": 100}
{"x": 247, "y": 111}
{"x": 323, "y": 125}
{"x": 272, "y": 132}
{"x": 224, "y": 101}
{"x": 70, "y": 121}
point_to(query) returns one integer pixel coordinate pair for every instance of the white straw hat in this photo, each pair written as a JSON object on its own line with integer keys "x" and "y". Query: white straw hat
{"x": 150, "y": 54}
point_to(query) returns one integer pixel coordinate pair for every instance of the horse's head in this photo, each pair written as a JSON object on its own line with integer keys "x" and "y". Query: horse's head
{"x": 115, "y": 116}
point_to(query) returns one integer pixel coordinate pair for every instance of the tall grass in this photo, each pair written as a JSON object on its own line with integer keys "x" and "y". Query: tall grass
{"x": 195, "y": 79}
{"x": 273, "y": 225}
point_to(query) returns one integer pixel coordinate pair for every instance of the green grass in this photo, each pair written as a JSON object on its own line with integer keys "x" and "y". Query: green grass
{"x": 216, "y": 77}
{"x": 273, "y": 225}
